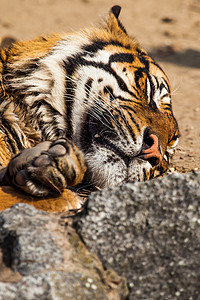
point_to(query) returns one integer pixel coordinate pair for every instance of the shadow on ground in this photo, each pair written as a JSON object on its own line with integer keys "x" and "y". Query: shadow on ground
{"x": 187, "y": 58}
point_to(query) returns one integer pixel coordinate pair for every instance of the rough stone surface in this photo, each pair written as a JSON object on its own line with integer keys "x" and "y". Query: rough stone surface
{"x": 53, "y": 285}
{"x": 42, "y": 257}
{"x": 32, "y": 247}
{"x": 150, "y": 233}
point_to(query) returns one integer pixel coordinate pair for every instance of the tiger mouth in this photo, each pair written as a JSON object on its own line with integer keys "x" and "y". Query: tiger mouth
{"x": 149, "y": 150}
{"x": 108, "y": 145}
{"x": 127, "y": 159}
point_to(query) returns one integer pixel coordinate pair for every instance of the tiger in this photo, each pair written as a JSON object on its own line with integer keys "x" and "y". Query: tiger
{"x": 88, "y": 106}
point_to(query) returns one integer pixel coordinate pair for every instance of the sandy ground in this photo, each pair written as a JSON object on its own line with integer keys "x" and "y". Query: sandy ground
{"x": 169, "y": 30}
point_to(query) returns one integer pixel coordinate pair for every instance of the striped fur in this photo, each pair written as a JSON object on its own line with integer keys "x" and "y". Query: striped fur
{"x": 97, "y": 87}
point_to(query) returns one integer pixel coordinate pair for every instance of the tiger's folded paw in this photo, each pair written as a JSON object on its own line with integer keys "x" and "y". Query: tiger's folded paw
{"x": 47, "y": 167}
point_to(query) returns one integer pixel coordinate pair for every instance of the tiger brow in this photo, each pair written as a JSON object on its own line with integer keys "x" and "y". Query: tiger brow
{"x": 121, "y": 57}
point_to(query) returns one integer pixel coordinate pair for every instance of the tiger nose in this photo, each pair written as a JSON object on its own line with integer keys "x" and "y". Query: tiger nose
{"x": 151, "y": 150}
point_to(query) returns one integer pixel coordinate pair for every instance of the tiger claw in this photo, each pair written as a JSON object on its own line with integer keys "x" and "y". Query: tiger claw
{"x": 21, "y": 177}
{"x": 42, "y": 160}
{"x": 47, "y": 167}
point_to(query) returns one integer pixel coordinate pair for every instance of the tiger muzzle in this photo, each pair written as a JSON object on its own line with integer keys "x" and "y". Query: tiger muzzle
{"x": 150, "y": 149}
{"x": 103, "y": 134}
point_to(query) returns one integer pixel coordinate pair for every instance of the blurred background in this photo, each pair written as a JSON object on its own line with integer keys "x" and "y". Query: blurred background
{"x": 168, "y": 30}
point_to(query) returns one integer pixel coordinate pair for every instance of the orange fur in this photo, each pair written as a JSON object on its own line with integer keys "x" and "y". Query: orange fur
{"x": 63, "y": 203}
{"x": 36, "y": 48}
{"x": 20, "y": 57}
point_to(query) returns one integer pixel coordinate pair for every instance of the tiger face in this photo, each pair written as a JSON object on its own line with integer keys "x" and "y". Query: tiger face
{"x": 125, "y": 126}
{"x": 94, "y": 96}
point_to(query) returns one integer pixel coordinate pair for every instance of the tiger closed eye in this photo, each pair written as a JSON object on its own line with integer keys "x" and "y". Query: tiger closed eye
{"x": 153, "y": 105}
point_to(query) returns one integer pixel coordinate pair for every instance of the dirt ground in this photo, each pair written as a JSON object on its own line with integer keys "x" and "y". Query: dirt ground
{"x": 169, "y": 30}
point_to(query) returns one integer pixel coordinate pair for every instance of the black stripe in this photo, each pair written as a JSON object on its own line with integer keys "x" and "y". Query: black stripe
{"x": 88, "y": 86}
{"x": 144, "y": 59}
{"x": 141, "y": 70}
{"x": 175, "y": 137}
{"x": 167, "y": 85}
{"x": 138, "y": 75}
{"x": 116, "y": 117}
{"x": 121, "y": 57}
{"x": 109, "y": 90}
{"x": 168, "y": 108}
{"x": 121, "y": 26}
{"x": 48, "y": 106}
{"x": 165, "y": 95}
{"x": 152, "y": 93}
{"x": 129, "y": 109}
{"x": 153, "y": 89}
{"x": 26, "y": 69}
{"x": 168, "y": 104}
{"x": 70, "y": 66}
{"x": 2, "y": 61}
{"x": 130, "y": 129}
{"x": 10, "y": 142}
{"x": 145, "y": 175}
{"x": 130, "y": 100}
{"x": 162, "y": 86}
{"x": 157, "y": 83}
{"x": 94, "y": 47}
{"x": 97, "y": 45}
{"x": 9, "y": 129}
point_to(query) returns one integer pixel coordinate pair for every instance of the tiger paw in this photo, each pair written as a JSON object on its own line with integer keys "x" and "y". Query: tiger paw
{"x": 47, "y": 167}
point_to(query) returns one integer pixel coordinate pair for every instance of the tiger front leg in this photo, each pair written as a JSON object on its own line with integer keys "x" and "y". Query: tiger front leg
{"x": 45, "y": 168}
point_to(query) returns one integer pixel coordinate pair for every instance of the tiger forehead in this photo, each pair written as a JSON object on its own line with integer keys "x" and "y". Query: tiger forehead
{"x": 134, "y": 59}
{"x": 135, "y": 63}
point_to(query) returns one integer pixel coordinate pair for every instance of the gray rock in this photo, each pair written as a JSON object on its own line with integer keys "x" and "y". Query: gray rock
{"x": 53, "y": 285}
{"x": 150, "y": 233}
{"x": 42, "y": 257}
{"x": 32, "y": 247}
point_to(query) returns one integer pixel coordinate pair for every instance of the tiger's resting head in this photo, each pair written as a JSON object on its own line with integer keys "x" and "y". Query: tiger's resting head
{"x": 103, "y": 91}
{"x": 125, "y": 124}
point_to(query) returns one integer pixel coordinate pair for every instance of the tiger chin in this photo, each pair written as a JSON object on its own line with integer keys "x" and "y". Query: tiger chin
{"x": 86, "y": 106}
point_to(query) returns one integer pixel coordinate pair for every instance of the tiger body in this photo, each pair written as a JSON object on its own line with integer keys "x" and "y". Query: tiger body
{"x": 99, "y": 89}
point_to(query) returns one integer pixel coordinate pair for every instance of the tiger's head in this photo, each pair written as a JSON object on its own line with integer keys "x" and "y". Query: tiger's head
{"x": 122, "y": 115}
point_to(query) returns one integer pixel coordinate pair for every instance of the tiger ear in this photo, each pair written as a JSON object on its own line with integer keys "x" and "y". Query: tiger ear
{"x": 113, "y": 23}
